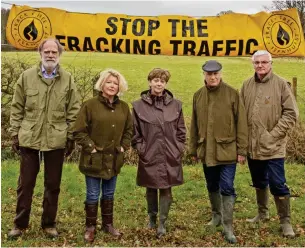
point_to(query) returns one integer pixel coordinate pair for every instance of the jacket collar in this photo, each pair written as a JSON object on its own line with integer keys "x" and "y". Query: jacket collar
{"x": 212, "y": 89}
{"x": 105, "y": 100}
{"x": 166, "y": 97}
{"x": 265, "y": 79}
{"x": 58, "y": 70}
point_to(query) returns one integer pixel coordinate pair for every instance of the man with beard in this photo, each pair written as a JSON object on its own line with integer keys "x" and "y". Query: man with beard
{"x": 43, "y": 111}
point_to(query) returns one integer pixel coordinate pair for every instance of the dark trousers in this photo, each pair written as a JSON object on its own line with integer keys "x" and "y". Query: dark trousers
{"x": 269, "y": 172}
{"x": 220, "y": 177}
{"x": 29, "y": 168}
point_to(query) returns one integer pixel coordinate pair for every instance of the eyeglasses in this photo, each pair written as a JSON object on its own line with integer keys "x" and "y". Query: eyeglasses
{"x": 256, "y": 63}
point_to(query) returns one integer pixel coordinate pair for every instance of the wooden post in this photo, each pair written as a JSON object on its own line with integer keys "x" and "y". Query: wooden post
{"x": 294, "y": 86}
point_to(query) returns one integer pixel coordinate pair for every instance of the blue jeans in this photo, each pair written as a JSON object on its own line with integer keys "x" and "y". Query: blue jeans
{"x": 220, "y": 177}
{"x": 269, "y": 172}
{"x": 94, "y": 186}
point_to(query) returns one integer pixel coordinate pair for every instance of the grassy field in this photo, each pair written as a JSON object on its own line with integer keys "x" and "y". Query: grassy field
{"x": 191, "y": 209}
{"x": 186, "y": 226}
{"x": 186, "y": 71}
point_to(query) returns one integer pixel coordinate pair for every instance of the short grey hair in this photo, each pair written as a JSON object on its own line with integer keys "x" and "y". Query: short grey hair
{"x": 111, "y": 72}
{"x": 261, "y": 52}
{"x": 59, "y": 46}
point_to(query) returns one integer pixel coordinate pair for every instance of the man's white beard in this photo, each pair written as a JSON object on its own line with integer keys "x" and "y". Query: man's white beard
{"x": 50, "y": 65}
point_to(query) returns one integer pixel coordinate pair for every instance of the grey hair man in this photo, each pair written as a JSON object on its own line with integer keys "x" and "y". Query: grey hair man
{"x": 43, "y": 112}
{"x": 271, "y": 112}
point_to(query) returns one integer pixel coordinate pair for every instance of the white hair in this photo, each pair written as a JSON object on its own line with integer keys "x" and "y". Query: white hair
{"x": 111, "y": 72}
{"x": 261, "y": 52}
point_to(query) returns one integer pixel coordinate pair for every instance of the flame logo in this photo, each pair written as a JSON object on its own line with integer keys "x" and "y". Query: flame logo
{"x": 282, "y": 36}
{"x": 30, "y": 32}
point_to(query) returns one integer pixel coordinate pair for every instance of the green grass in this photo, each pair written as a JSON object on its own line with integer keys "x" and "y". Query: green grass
{"x": 188, "y": 216}
{"x": 190, "y": 210}
{"x": 186, "y": 71}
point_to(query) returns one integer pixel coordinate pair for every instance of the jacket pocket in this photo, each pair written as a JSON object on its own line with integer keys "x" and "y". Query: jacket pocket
{"x": 267, "y": 143}
{"x": 95, "y": 163}
{"x": 31, "y": 101}
{"x": 58, "y": 135}
{"x": 201, "y": 148}
{"x": 226, "y": 149}
{"x": 25, "y": 133}
{"x": 119, "y": 159}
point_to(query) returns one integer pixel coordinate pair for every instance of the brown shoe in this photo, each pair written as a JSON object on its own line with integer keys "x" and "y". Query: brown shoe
{"x": 51, "y": 232}
{"x": 89, "y": 234}
{"x": 14, "y": 233}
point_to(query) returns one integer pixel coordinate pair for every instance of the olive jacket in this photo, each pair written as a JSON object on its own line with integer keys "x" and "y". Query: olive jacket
{"x": 159, "y": 138}
{"x": 271, "y": 112}
{"x": 43, "y": 111}
{"x": 106, "y": 127}
{"x": 218, "y": 130}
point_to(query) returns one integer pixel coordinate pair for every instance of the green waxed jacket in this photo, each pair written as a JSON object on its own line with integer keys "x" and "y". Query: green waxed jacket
{"x": 43, "y": 111}
{"x": 219, "y": 126}
{"x": 105, "y": 127}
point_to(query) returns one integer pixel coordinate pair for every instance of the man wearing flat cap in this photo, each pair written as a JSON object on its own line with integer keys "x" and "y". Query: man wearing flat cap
{"x": 219, "y": 138}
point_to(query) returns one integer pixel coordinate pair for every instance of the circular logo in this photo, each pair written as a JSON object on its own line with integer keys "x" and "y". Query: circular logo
{"x": 281, "y": 35}
{"x": 29, "y": 27}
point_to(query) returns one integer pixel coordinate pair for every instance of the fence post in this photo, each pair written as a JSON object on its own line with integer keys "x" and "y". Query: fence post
{"x": 294, "y": 86}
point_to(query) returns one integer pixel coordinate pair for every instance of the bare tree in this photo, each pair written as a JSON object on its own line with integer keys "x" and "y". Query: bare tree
{"x": 224, "y": 12}
{"x": 282, "y": 5}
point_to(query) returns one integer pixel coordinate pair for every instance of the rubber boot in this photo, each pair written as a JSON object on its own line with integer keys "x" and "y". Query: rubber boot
{"x": 283, "y": 209}
{"x": 227, "y": 219}
{"x": 152, "y": 206}
{"x": 262, "y": 198}
{"x": 91, "y": 216}
{"x": 107, "y": 217}
{"x": 215, "y": 200}
{"x": 165, "y": 203}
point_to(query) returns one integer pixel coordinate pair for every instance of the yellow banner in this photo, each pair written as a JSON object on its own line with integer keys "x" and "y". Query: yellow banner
{"x": 279, "y": 32}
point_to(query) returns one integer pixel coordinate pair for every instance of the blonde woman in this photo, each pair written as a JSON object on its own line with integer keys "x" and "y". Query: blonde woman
{"x": 103, "y": 129}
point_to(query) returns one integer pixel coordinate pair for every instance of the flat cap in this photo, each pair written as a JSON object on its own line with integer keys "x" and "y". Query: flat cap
{"x": 211, "y": 65}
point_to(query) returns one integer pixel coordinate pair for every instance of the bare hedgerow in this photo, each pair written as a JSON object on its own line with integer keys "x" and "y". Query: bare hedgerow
{"x": 296, "y": 144}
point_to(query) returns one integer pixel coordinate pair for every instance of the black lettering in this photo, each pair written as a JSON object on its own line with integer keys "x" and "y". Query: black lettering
{"x": 204, "y": 48}
{"x": 248, "y": 46}
{"x": 174, "y": 27}
{"x": 200, "y": 27}
{"x": 185, "y": 28}
{"x": 73, "y": 42}
{"x": 127, "y": 46}
{"x": 124, "y": 27}
{"x": 87, "y": 45}
{"x": 98, "y": 44}
{"x": 229, "y": 48}
{"x": 137, "y": 48}
{"x": 135, "y": 27}
{"x": 59, "y": 37}
{"x": 216, "y": 48}
{"x": 116, "y": 45}
{"x": 110, "y": 22}
{"x": 151, "y": 49}
{"x": 240, "y": 47}
{"x": 153, "y": 25}
{"x": 175, "y": 47}
{"x": 189, "y": 46}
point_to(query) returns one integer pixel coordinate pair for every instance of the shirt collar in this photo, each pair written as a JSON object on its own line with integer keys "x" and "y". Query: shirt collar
{"x": 46, "y": 75}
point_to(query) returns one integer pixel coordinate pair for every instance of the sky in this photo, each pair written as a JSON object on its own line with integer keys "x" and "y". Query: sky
{"x": 150, "y": 8}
